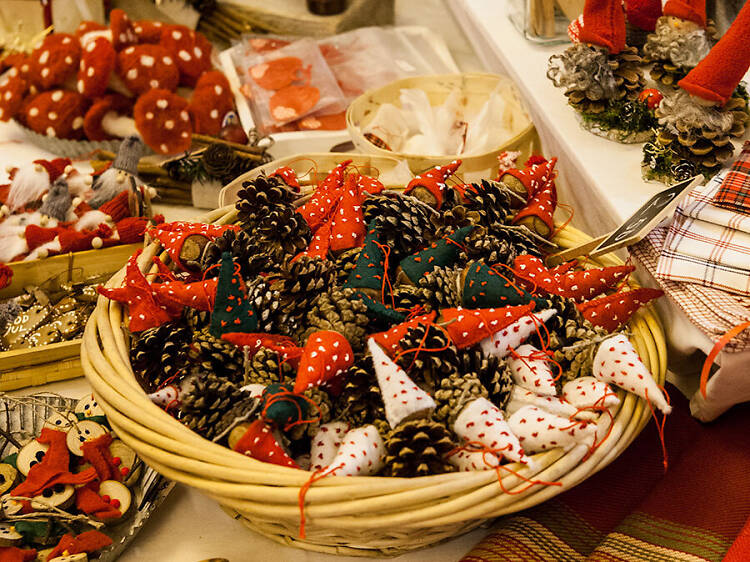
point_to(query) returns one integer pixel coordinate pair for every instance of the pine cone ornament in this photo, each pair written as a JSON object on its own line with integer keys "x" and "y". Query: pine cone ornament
{"x": 453, "y": 218}
{"x": 283, "y": 232}
{"x": 559, "y": 326}
{"x": 439, "y": 288}
{"x": 667, "y": 73}
{"x": 406, "y": 297}
{"x": 403, "y": 223}
{"x": 491, "y": 201}
{"x": 160, "y": 353}
{"x": 436, "y": 359}
{"x": 418, "y": 448}
{"x": 220, "y": 161}
{"x": 245, "y": 248}
{"x": 500, "y": 244}
{"x": 576, "y": 356}
{"x": 265, "y": 368}
{"x": 216, "y": 356}
{"x": 340, "y": 311}
{"x": 197, "y": 319}
{"x": 259, "y": 196}
{"x": 207, "y": 402}
{"x": 345, "y": 262}
{"x": 360, "y": 402}
{"x": 492, "y": 372}
{"x": 238, "y": 410}
{"x": 300, "y": 281}
{"x": 272, "y": 317}
{"x": 455, "y": 392}
{"x": 325, "y": 410}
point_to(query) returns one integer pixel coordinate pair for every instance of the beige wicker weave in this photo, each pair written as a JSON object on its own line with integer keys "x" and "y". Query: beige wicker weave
{"x": 365, "y": 516}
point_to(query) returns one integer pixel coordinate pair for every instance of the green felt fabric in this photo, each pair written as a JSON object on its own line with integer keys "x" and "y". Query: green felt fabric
{"x": 284, "y": 409}
{"x": 370, "y": 268}
{"x": 485, "y": 288}
{"x": 380, "y": 314}
{"x": 232, "y": 311}
{"x": 442, "y": 253}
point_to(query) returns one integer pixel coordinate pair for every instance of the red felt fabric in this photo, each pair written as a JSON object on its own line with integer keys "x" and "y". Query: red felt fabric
{"x": 542, "y": 205}
{"x": 643, "y": 13}
{"x": 53, "y": 469}
{"x": 89, "y": 541}
{"x": 199, "y": 295}
{"x": 96, "y": 452}
{"x": 434, "y": 181}
{"x": 390, "y": 340}
{"x": 288, "y": 176}
{"x": 90, "y": 502}
{"x": 613, "y": 310}
{"x": 537, "y": 174}
{"x": 348, "y": 222}
{"x": 320, "y": 243}
{"x": 325, "y": 197}
{"x": 468, "y": 327}
{"x": 604, "y": 24}
{"x": 131, "y": 229}
{"x": 37, "y": 235}
{"x": 717, "y": 75}
{"x": 326, "y": 355}
{"x": 118, "y": 207}
{"x": 259, "y": 442}
{"x": 172, "y": 235}
{"x": 6, "y": 275}
{"x": 692, "y": 10}
{"x": 14, "y": 554}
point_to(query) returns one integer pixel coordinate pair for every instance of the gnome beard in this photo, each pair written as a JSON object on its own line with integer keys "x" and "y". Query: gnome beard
{"x": 583, "y": 68}
{"x": 29, "y": 184}
{"x": 679, "y": 111}
{"x": 683, "y": 45}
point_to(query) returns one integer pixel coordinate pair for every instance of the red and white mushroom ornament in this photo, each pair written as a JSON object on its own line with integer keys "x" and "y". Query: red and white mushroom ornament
{"x": 56, "y": 113}
{"x": 212, "y": 100}
{"x": 108, "y": 118}
{"x": 144, "y": 67}
{"x": 163, "y": 121}
{"x": 55, "y": 60}
{"x": 191, "y": 51}
{"x": 96, "y": 70}
{"x": 12, "y": 90}
{"x": 148, "y": 31}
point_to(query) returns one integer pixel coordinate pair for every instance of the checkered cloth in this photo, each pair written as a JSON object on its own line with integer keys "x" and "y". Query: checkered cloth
{"x": 734, "y": 193}
{"x": 712, "y": 310}
{"x": 714, "y": 254}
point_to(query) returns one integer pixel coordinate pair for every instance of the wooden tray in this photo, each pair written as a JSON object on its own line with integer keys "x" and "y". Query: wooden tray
{"x": 58, "y": 361}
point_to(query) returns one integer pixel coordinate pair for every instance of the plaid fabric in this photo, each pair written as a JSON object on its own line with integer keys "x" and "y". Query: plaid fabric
{"x": 712, "y": 310}
{"x": 734, "y": 193}
{"x": 632, "y": 511}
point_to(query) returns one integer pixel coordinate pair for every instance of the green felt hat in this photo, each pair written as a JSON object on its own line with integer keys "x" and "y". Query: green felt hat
{"x": 379, "y": 313}
{"x": 370, "y": 268}
{"x": 232, "y": 311}
{"x": 484, "y": 287}
{"x": 442, "y": 253}
{"x": 280, "y": 406}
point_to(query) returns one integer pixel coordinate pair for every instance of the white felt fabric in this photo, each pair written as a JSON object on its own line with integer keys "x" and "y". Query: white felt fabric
{"x": 520, "y": 397}
{"x": 531, "y": 373}
{"x": 538, "y": 430}
{"x": 360, "y": 454}
{"x": 589, "y": 392}
{"x": 466, "y": 461}
{"x": 325, "y": 443}
{"x": 483, "y": 422}
{"x": 500, "y": 343}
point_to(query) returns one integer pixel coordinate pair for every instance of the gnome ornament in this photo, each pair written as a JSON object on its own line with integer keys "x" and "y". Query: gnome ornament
{"x": 697, "y": 120}
{"x": 260, "y": 442}
{"x": 617, "y": 362}
{"x": 403, "y": 399}
{"x": 443, "y": 253}
{"x": 482, "y": 422}
{"x": 589, "y": 393}
{"x": 122, "y": 175}
{"x": 535, "y": 176}
{"x": 680, "y": 40}
{"x": 390, "y": 340}
{"x": 369, "y": 272}
{"x": 601, "y": 75}
{"x": 484, "y": 286}
{"x": 325, "y": 197}
{"x": 530, "y": 369}
{"x": 641, "y": 18}
{"x": 360, "y": 453}
{"x": 325, "y": 357}
{"x": 538, "y": 430}
{"x": 509, "y": 338}
{"x": 520, "y": 398}
{"x": 348, "y": 222}
{"x": 467, "y": 328}
{"x": 612, "y": 311}
{"x": 326, "y": 443}
{"x": 57, "y": 202}
{"x": 28, "y": 183}
{"x": 429, "y": 187}
{"x": 233, "y": 311}
{"x": 468, "y": 459}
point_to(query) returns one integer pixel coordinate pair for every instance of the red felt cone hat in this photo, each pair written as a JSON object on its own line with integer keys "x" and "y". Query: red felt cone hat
{"x": 611, "y": 311}
{"x": 390, "y": 340}
{"x": 644, "y": 13}
{"x": 325, "y": 197}
{"x": 467, "y": 327}
{"x": 348, "y": 223}
{"x": 604, "y": 24}
{"x": 536, "y": 175}
{"x": 326, "y": 355}
{"x": 541, "y": 206}
{"x": 692, "y": 10}
{"x": 319, "y": 245}
{"x": 717, "y": 75}
{"x": 199, "y": 295}
{"x": 434, "y": 180}
{"x": 288, "y": 176}
{"x": 260, "y": 443}
{"x": 172, "y": 235}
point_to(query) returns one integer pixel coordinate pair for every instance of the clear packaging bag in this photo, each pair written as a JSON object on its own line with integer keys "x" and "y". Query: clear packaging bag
{"x": 289, "y": 83}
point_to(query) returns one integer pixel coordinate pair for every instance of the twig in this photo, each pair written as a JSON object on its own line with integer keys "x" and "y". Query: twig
{"x": 50, "y": 511}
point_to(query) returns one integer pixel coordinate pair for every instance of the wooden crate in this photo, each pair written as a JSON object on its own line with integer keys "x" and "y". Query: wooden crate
{"x": 58, "y": 361}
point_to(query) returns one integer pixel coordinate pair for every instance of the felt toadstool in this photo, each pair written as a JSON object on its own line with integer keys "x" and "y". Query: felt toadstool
{"x": 12, "y": 90}
{"x": 191, "y": 51}
{"x": 122, "y": 29}
{"x": 56, "y": 113}
{"x": 107, "y": 118}
{"x": 143, "y": 67}
{"x": 148, "y": 31}
{"x": 88, "y": 26}
{"x": 98, "y": 60}
{"x": 163, "y": 122}
{"x": 54, "y": 60}
{"x": 211, "y": 101}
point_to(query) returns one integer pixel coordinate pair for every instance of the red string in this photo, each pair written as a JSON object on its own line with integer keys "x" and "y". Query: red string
{"x": 386, "y": 279}
{"x": 283, "y": 394}
{"x": 518, "y": 289}
{"x": 421, "y": 347}
{"x": 564, "y": 225}
{"x": 535, "y": 288}
{"x": 716, "y": 349}
{"x": 317, "y": 475}
{"x": 660, "y": 429}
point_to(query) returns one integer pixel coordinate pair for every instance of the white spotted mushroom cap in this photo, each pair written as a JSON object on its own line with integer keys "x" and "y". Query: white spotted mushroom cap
{"x": 56, "y": 113}
{"x": 163, "y": 121}
{"x": 617, "y": 362}
{"x": 325, "y": 444}
{"x": 143, "y": 67}
{"x": 360, "y": 454}
{"x": 98, "y": 60}
{"x": 403, "y": 399}
{"x": 212, "y": 99}
{"x": 500, "y": 343}
{"x": 538, "y": 430}
{"x": 12, "y": 90}
{"x": 122, "y": 30}
{"x": 482, "y": 422}
{"x": 532, "y": 372}
{"x": 190, "y": 49}
{"x": 148, "y": 31}
{"x": 54, "y": 60}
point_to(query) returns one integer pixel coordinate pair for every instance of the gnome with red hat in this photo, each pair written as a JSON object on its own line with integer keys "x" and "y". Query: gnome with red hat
{"x": 682, "y": 39}
{"x": 698, "y": 119}
{"x": 601, "y": 75}
{"x": 28, "y": 183}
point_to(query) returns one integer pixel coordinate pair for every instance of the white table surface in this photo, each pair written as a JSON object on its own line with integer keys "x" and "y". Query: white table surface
{"x": 602, "y": 180}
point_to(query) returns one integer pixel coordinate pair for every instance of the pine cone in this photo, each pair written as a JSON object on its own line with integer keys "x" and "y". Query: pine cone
{"x": 629, "y": 78}
{"x": 325, "y": 405}
{"x": 455, "y": 392}
{"x": 246, "y": 248}
{"x": 500, "y": 244}
{"x": 265, "y": 368}
{"x": 345, "y": 262}
{"x": 406, "y": 297}
{"x": 360, "y": 401}
{"x": 418, "y": 448}
{"x": 439, "y": 288}
{"x": 453, "y": 218}
{"x": 403, "y": 223}
{"x": 159, "y": 353}
{"x": 244, "y": 406}
{"x": 492, "y": 372}
{"x": 491, "y": 201}
{"x": 557, "y": 326}
{"x": 284, "y": 231}
{"x": 300, "y": 281}
{"x": 338, "y": 310}
{"x": 576, "y": 357}
{"x": 428, "y": 368}
{"x": 668, "y": 74}
{"x": 259, "y": 196}
{"x": 216, "y": 356}
{"x": 207, "y": 402}
{"x": 197, "y": 319}
{"x": 220, "y": 162}
{"x": 272, "y": 316}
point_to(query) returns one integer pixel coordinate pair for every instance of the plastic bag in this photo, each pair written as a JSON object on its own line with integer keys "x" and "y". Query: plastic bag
{"x": 289, "y": 83}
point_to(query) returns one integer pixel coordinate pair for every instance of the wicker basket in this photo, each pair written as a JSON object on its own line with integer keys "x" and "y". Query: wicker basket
{"x": 364, "y": 516}
{"x": 476, "y": 88}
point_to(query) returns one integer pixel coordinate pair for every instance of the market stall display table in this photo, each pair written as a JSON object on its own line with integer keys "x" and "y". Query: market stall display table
{"x": 601, "y": 180}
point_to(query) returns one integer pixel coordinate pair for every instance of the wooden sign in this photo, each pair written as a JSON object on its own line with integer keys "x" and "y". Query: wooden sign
{"x": 635, "y": 227}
